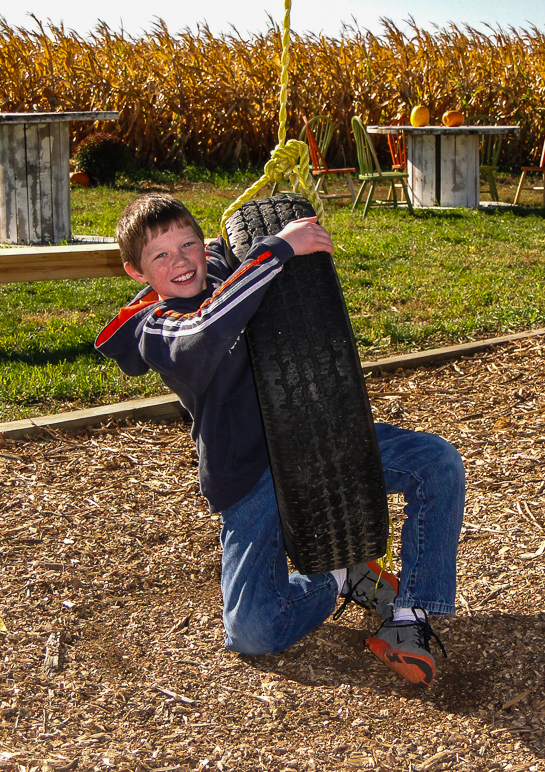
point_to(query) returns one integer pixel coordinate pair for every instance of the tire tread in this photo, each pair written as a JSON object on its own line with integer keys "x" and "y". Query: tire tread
{"x": 318, "y": 421}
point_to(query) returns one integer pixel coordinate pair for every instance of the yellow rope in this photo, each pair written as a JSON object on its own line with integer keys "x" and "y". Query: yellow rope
{"x": 283, "y": 163}
{"x": 387, "y": 559}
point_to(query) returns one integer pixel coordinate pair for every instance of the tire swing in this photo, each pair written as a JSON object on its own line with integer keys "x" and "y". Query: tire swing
{"x": 321, "y": 438}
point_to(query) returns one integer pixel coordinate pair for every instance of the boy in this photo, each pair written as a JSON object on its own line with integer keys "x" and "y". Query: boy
{"x": 188, "y": 325}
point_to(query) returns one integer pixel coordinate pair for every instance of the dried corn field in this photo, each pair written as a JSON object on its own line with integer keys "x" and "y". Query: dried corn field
{"x": 188, "y": 97}
{"x": 112, "y": 650}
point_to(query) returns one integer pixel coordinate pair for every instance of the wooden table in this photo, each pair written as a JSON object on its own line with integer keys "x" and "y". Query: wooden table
{"x": 443, "y": 162}
{"x": 35, "y": 175}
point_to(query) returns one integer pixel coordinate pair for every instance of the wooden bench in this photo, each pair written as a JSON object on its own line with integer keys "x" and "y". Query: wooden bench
{"x": 76, "y": 261}
{"x": 79, "y": 261}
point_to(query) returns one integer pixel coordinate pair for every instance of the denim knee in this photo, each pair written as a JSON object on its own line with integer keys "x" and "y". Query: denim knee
{"x": 256, "y": 634}
{"x": 449, "y": 464}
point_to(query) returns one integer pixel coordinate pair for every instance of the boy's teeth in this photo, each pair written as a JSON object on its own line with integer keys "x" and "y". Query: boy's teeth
{"x": 185, "y": 277}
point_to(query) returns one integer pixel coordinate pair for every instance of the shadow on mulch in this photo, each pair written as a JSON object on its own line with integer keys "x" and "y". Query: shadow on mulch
{"x": 493, "y": 669}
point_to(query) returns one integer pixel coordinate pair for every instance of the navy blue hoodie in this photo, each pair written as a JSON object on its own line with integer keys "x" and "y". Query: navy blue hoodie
{"x": 198, "y": 347}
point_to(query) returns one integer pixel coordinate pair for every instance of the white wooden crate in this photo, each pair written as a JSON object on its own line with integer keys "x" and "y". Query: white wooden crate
{"x": 35, "y": 175}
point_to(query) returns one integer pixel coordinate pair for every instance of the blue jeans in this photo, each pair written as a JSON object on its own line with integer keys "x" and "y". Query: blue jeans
{"x": 266, "y": 609}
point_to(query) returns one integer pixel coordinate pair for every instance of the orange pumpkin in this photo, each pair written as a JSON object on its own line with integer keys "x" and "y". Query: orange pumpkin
{"x": 420, "y": 116}
{"x": 80, "y": 178}
{"x": 453, "y": 118}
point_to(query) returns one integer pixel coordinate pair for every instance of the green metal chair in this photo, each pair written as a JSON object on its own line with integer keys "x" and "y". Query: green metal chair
{"x": 371, "y": 174}
{"x": 490, "y": 156}
{"x": 490, "y": 149}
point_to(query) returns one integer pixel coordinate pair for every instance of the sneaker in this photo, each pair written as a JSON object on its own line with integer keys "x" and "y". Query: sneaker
{"x": 405, "y": 648}
{"x": 370, "y": 586}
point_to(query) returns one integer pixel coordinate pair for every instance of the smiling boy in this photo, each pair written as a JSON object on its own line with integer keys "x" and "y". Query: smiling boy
{"x": 188, "y": 325}
{"x": 173, "y": 263}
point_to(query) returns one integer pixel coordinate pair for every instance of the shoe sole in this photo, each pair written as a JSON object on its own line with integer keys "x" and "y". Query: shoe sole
{"x": 416, "y": 668}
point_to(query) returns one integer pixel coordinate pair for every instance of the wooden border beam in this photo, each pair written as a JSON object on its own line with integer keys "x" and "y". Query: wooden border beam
{"x": 168, "y": 407}
{"x": 431, "y": 356}
{"x": 76, "y": 261}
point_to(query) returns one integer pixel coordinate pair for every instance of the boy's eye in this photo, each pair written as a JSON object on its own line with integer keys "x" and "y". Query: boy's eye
{"x": 188, "y": 244}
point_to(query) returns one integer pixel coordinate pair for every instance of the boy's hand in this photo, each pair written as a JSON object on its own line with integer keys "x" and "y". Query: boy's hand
{"x": 306, "y": 236}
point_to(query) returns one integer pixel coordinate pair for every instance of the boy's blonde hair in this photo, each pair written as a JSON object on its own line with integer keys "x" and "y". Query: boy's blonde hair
{"x": 146, "y": 217}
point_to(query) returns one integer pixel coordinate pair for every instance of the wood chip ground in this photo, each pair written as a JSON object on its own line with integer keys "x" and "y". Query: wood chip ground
{"x": 111, "y": 643}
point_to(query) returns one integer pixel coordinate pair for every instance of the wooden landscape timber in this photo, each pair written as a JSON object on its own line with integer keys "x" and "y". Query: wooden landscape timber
{"x": 76, "y": 261}
{"x": 168, "y": 407}
{"x": 164, "y": 408}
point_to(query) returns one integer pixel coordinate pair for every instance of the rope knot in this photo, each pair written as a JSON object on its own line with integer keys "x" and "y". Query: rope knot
{"x": 284, "y": 157}
{"x": 283, "y": 160}
{"x": 283, "y": 163}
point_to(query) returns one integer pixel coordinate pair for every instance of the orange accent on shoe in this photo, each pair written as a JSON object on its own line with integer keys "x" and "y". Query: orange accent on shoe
{"x": 385, "y": 576}
{"x": 418, "y": 669}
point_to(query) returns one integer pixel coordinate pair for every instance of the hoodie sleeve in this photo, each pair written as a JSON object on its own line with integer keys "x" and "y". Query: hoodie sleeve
{"x": 217, "y": 260}
{"x": 191, "y": 345}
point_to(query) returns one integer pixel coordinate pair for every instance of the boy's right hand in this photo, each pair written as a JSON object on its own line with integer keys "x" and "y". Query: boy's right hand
{"x": 306, "y": 236}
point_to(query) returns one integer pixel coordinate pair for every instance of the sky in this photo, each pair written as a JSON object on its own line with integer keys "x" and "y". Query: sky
{"x": 251, "y": 16}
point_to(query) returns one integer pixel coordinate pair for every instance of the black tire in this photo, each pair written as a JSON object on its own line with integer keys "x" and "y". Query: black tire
{"x": 318, "y": 422}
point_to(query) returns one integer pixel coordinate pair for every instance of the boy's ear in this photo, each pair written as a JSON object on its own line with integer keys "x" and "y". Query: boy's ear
{"x": 134, "y": 273}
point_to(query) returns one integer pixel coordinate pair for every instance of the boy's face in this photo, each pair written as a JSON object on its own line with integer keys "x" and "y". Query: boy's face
{"x": 173, "y": 263}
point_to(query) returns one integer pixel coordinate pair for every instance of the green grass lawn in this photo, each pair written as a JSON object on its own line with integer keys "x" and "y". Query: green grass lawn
{"x": 410, "y": 283}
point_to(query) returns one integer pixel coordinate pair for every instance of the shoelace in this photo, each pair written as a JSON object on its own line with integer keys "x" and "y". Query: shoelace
{"x": 351, "y": 593}
{"x": 427, "y": 632}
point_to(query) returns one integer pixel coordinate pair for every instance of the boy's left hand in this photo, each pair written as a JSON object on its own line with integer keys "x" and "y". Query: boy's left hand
{"x": 306, "y": 236}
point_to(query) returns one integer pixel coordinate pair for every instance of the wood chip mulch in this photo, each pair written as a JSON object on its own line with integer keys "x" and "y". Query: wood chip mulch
{"x": 111, "y": 642}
